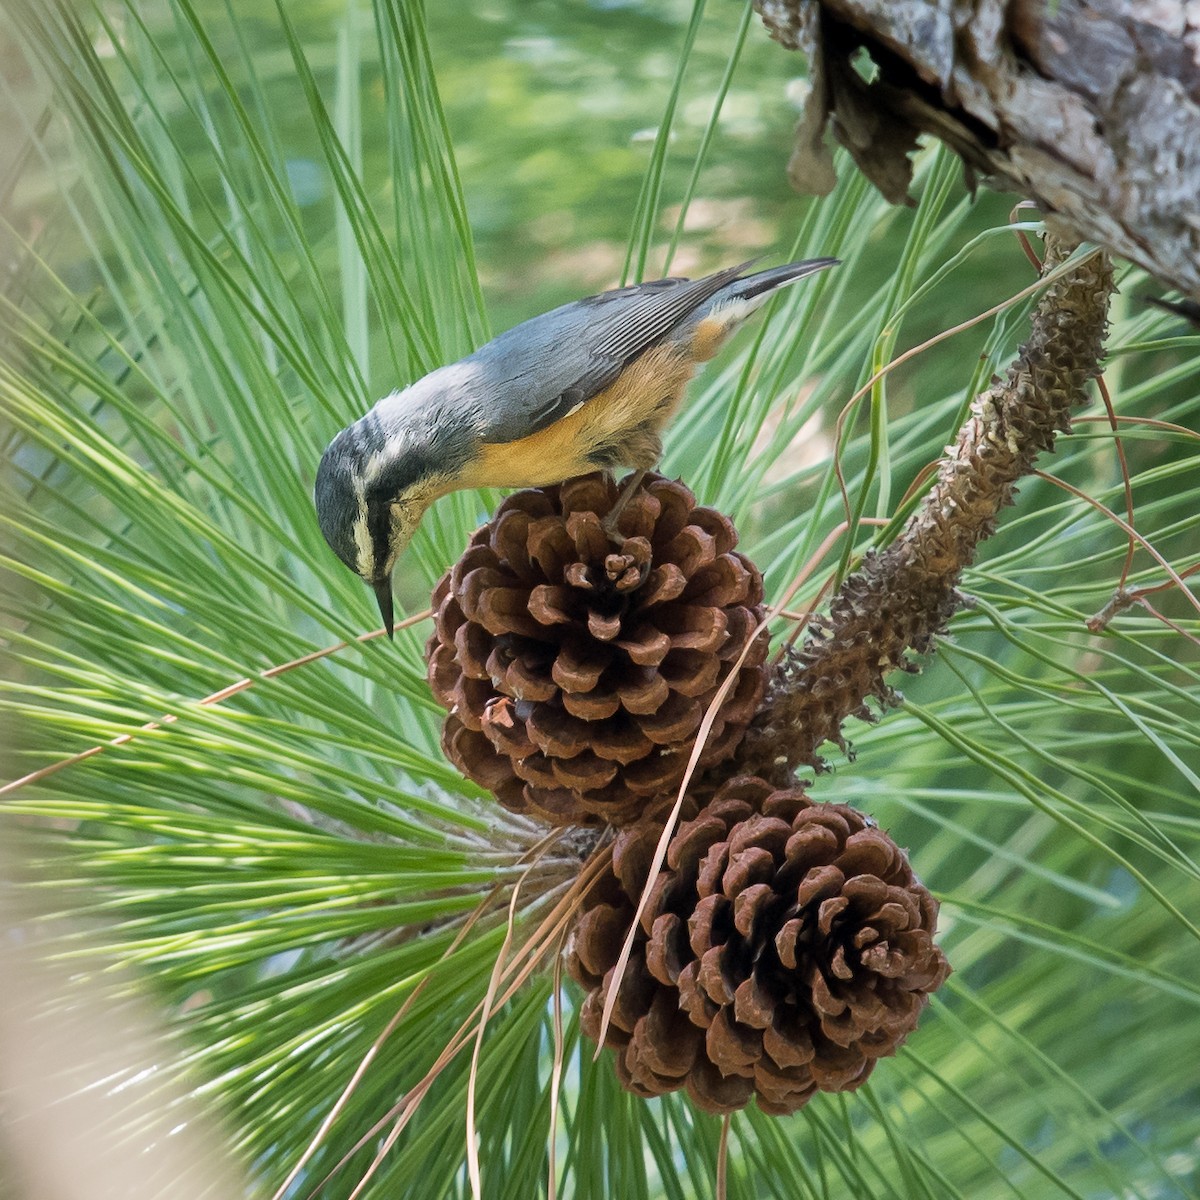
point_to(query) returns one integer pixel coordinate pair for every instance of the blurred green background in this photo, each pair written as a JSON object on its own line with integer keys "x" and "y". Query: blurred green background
{"x": 228, "y": 229}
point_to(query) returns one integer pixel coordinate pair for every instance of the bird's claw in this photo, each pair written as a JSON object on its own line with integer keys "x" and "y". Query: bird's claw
{"x": 609, "y": 525}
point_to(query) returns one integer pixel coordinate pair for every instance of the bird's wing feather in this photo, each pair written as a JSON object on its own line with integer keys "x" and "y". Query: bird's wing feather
{"x": 543, "y": 370}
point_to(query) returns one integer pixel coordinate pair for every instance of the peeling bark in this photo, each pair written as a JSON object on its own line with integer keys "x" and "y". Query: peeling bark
{"x": 1089, "y": 107}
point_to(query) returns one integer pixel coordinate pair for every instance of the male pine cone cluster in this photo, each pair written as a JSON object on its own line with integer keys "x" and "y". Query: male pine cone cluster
{"x": 786, "y": 945}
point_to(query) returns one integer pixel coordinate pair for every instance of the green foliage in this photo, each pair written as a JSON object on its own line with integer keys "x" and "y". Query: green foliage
{"x": 233, "y": 230}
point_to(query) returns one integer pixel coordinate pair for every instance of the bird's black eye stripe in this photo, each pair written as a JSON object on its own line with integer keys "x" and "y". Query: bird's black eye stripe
{"x": 379, "y": 526}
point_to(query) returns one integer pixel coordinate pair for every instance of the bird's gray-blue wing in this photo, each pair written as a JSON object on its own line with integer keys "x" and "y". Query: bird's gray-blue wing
{"x": 542, "y": 370}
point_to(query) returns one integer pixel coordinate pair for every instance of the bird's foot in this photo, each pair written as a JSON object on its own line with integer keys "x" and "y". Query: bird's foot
{"x": 613, "y": 520}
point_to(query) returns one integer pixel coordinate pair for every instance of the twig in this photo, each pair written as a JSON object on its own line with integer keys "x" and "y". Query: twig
{"x": 1176, "y": 578}
{"x": 722, "y": 1189}
{"x": 1020, "y": 233}
{"x": 556, "y": 1069}
{"x": 1125, "y": 481}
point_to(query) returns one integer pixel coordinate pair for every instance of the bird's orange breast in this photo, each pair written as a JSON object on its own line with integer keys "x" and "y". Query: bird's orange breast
{"x": 615, "y": 427}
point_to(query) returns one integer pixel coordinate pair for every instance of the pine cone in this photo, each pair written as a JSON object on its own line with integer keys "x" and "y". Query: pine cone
{"x": 577, "y": 674}
{"x": 786, "y": 946}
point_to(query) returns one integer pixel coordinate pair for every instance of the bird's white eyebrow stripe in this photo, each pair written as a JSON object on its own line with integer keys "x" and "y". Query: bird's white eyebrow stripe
{"x": 371, "y": 469}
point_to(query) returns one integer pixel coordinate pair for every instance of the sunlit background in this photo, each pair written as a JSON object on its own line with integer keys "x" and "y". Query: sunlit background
{"x": 228, "y": 227}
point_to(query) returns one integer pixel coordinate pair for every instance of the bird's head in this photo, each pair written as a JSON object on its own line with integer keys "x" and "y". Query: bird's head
{"x": 371, "y": 491}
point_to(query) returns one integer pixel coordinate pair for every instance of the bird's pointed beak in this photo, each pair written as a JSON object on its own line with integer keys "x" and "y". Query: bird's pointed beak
{"x": 383, "y": 594}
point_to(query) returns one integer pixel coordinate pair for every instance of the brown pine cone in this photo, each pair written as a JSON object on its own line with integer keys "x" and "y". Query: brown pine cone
{"x": 786, "y": 946}
{"x": 577, "y": 674}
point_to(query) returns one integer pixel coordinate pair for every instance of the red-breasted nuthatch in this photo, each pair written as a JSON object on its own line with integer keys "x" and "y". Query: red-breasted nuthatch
{"x": 587, "y": 386}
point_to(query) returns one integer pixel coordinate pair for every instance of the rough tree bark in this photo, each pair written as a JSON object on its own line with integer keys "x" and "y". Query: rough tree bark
{"x": 1089, "y": 107}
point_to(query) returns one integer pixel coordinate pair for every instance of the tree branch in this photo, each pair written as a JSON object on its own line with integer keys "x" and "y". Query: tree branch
{"x": 1089, "y": 107}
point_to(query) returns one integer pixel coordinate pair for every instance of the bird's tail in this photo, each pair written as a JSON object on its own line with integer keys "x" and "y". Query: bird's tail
{"x": 714, "y": 320}
{"x": 761, "y": 283}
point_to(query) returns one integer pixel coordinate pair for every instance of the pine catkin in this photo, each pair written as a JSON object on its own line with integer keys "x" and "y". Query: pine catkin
{"x": 901, "y": 598}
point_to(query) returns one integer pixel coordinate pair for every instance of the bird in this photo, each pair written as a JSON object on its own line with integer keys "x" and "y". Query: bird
{"x": 588, "y": 386}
